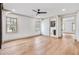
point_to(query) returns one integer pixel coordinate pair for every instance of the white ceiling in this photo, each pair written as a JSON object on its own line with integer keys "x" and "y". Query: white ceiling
{"x": 51, "y": 8}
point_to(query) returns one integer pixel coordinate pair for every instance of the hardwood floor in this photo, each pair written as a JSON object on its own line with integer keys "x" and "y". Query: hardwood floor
{"x": 41, "y": 45}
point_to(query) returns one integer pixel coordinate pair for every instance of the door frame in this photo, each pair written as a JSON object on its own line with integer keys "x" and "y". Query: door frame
{"x": 74, "y": 22}
{"x": 1, "y": 25}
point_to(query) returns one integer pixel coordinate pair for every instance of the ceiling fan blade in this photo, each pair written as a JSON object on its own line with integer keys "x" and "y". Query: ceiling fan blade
{"x": 34, "y": 10}
{"x": 43, "y": 12}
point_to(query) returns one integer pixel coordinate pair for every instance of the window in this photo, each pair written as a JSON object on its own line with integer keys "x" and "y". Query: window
{"x": 11, "y": 24}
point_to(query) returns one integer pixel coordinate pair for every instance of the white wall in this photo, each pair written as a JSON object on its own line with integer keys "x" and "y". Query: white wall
{"x": 59, "y": 26}
{"x": 25, "y": 27}
{"x": 77, "y": 26}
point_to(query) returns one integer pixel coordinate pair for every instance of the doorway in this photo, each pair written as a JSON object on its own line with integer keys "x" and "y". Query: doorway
{"x": 45, "y": 27}
{"x": 68, "y": 27}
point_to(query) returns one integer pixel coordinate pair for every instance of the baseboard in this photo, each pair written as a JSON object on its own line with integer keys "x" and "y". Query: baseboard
{"x": 45, "y": 35}
{"x": 68, "y": 33}
{"x": 59, "y": 37}
{"x": 52, "y": 36}
{"x": 20, "y": 38}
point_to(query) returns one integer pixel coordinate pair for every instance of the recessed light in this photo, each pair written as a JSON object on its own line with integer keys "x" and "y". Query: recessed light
{"x": 63, "y": 9}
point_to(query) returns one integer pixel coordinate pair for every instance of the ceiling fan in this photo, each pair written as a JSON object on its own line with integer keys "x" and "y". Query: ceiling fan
{"x": 39, "y": 12}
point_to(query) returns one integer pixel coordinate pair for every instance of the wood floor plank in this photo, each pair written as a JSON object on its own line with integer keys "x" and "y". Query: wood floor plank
{"x": 41, "y": 45}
